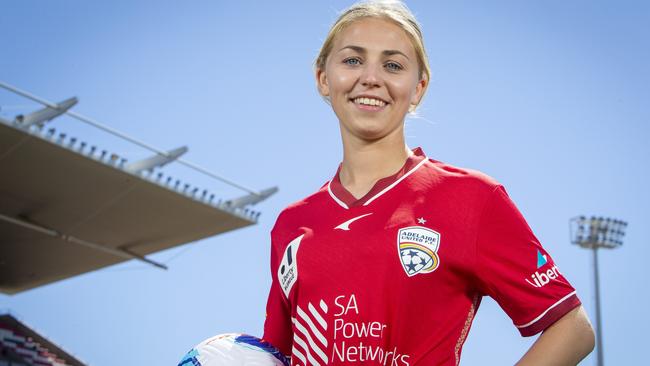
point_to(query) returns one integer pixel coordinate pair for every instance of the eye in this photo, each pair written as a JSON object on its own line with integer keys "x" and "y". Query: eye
{"x": 352, "y": 61}
{"x": 393, "y": 66}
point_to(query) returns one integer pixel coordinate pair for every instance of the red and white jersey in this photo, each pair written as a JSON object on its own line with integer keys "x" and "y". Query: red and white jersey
{"x": 396, "y": 277}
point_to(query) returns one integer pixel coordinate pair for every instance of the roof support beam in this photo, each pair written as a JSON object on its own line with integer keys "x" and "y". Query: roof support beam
{"x": 251, "y": 199}
{"x": 46, "y": 114}
{"x": 156, "y": 161}
{"x": 114, "y": 251}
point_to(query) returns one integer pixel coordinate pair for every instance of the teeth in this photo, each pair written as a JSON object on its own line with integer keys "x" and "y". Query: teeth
{"x": 370, "y": 101}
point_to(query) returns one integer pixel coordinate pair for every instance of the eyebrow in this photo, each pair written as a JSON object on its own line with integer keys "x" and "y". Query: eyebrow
{"x": 362, "y": 50}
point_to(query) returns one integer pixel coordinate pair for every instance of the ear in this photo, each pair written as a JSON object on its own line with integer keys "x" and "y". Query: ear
{"x": 321, "y": 82}
{"x": 419, "y": 91}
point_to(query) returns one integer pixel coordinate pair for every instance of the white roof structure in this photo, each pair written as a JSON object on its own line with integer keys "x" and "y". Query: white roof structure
{"x": 67, "y": 208}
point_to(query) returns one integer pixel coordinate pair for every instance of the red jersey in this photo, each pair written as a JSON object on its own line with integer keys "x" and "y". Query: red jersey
{"x": 395, "y": 277}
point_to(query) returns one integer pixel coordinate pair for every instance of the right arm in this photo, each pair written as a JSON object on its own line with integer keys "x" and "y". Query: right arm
{"x": 277, "y": 325}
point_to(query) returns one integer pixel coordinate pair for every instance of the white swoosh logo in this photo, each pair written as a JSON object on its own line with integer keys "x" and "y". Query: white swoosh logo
{"x": 346, "y": 225}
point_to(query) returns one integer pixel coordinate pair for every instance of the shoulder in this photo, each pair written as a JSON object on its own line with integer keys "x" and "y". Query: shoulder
{"x": 300, "y": 212}
{"x": 456, "y": 180}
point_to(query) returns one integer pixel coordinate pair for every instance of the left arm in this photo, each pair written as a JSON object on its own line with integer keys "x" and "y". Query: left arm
{"x": 566, "y": 342}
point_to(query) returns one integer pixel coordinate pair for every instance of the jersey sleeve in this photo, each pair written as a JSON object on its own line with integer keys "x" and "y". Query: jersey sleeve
{"x": 277, "y": 326}
{"x": 515, "y": 270}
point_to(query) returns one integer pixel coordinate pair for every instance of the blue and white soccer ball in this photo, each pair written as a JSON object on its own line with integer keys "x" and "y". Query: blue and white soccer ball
{"x": 234, "y": 349}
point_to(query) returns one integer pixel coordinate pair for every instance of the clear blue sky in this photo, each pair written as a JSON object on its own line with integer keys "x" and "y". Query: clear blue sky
{"x": 549, "y": 97}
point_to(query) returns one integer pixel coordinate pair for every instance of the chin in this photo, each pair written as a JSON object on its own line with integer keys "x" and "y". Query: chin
{"x": 367, "y": 128}
{"x": 371, "y": 133}
{"x": 373, "y": 129}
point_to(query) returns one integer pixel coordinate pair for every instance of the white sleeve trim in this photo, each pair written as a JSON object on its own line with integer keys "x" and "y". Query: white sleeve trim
{"x": 546, "y": 311}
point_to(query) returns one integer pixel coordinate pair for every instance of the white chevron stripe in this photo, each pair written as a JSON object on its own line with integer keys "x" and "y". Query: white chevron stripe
{"x": 312, "y": 326}
{"x": 317, "y": 316}
{"x": 301, "y": 343}
{"x": 323, "y": 306}
{"x": 312, "y": 344}
{"x": 299, "y": 355}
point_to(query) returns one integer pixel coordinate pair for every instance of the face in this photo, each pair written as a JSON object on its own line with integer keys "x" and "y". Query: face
{"x": 372, "y": 78}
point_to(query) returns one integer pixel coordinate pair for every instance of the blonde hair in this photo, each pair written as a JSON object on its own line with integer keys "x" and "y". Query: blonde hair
{"x": 391, "y": 10}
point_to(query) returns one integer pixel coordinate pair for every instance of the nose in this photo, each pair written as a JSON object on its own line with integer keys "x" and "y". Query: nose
{"x": 371, "y": 76}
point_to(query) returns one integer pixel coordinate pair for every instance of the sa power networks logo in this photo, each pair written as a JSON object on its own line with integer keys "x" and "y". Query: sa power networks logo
{"x": 543, "y": 277}
{"x": 418, "y": 249}
{"x": 342, "y": 334}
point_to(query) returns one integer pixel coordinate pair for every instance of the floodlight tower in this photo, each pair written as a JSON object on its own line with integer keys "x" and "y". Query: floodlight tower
{"x": 594, "y": 233}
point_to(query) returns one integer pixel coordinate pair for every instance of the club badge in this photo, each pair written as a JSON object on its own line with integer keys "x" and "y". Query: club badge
{"x": 418, "y": 249}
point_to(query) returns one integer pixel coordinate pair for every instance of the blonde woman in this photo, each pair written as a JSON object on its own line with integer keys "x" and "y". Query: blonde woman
{"x": 387, "y": 263}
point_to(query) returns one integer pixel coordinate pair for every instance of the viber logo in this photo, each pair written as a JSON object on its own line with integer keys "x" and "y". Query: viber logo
{"x": 542, "y": 278}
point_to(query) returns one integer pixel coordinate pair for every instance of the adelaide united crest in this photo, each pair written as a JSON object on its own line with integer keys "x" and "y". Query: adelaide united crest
{"x": 418, "y": 249}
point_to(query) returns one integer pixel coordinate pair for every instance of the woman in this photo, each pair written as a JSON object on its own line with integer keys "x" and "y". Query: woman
{"x": 387, "y": 263}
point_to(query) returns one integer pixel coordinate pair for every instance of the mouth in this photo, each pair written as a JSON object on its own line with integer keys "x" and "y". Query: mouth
{"x": 369, "y": 103}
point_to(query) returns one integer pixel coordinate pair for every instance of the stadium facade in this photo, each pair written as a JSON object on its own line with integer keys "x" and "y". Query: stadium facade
{"x": 20, "y": 345}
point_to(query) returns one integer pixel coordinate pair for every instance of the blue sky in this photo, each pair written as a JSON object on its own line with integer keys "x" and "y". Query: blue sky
{"x": 549, "y": 97}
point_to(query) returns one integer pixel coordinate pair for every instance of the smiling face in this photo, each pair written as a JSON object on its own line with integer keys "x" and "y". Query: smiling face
{"x": 372, "y": 78}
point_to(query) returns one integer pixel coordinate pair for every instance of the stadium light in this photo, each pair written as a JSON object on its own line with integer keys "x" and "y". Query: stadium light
{"x": 594, "y": 233}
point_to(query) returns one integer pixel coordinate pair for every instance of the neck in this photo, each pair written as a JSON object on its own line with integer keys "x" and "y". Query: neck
{"x": 365, "y": 162}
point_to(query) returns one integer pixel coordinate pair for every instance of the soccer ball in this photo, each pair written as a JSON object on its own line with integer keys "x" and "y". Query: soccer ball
{"x": 234, "y": 349}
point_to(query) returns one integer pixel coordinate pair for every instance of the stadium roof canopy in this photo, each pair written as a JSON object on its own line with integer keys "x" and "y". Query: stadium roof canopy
{"x": 66, "y": 209}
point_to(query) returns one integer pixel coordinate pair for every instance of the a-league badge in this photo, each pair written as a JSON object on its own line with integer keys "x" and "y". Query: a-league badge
{"x": 418, "y": 249}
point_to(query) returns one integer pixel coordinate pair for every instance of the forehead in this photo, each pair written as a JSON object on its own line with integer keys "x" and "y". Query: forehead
{"x": 375, "y": 34}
